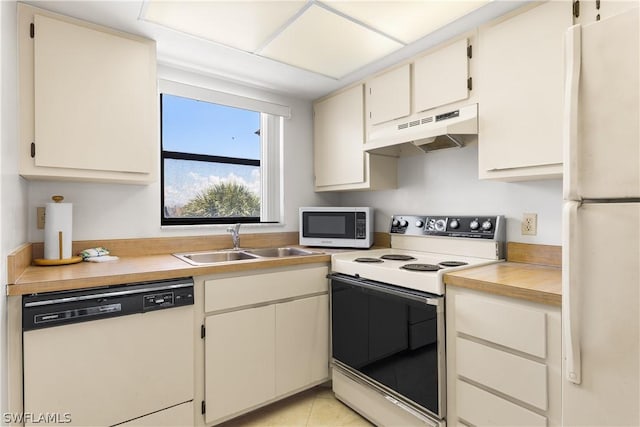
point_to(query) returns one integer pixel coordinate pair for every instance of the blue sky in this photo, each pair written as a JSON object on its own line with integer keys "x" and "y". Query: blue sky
{"x": 201, "y": 127}
{"x": 204, "y": 128}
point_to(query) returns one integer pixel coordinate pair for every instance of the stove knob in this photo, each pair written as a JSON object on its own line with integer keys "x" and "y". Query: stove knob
{"x": 395, "y": 222}
{"x": 441, "y": 225}
{"x": 454, "y": 224}
{"x": 403, "y": 223}
{"x": 486, "y": 226}
{"x": 474, "y": 225}
{"x": 419, "y": 223}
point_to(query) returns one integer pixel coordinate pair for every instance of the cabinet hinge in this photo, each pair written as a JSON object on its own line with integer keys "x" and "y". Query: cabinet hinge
{"x": 33, "y": 150}
{"x": 203, "y": 407}
{"x": 576, "y": 8}
{"x": 203, "y": 331}
{"x": 470, "y": 83}
{"x": 470, "y": 51}
{"x": 32, "y": 30}
{"x": 598, "y": 4}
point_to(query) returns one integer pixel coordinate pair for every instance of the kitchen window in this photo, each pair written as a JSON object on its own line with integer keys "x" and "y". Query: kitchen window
{"x": 220, "y": 157}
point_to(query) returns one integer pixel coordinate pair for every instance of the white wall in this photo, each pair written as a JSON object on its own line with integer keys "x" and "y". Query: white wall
{"x": 446, "y": 182}
{"x": 13, "y": 229}
{"x": 111, "y": 211}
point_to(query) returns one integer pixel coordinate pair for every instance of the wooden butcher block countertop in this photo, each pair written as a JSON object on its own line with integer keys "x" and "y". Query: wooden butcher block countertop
{"x": 532, "y": 273}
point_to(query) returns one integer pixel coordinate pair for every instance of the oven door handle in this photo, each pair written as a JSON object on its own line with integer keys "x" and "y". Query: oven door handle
{"x": 434, "y": 300}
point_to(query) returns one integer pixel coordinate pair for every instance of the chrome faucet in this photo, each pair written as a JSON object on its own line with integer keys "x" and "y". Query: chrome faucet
{"x": 235, "y": 236}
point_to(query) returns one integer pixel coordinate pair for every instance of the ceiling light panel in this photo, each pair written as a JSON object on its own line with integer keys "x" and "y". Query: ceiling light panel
{"x": 406, "y": 21}
{"x": 326, "y": 43}
{"x": 244, "y": 25}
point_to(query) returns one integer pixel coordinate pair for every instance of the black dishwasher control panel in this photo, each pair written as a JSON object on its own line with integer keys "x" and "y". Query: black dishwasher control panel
{"x": 51, "y": 309}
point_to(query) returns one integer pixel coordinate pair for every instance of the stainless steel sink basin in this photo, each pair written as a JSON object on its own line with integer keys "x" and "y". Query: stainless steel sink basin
{"x": 279, "y": 252}
{"x": 200, "y": 258}
{"x": 212, "y": 257}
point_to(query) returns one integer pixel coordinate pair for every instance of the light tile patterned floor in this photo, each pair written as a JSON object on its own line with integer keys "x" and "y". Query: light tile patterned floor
{"x": 314, "y": 408}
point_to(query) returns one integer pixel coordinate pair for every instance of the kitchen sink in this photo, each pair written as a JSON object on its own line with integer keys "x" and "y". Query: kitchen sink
{"x": 200, "y": 258}
{"x": 213, "y": 257}
{"x": 279, "y": 252}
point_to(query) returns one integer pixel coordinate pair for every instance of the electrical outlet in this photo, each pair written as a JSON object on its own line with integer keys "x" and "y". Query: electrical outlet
{"x": 529, "y": 224}
{"x": 40, "y": 217}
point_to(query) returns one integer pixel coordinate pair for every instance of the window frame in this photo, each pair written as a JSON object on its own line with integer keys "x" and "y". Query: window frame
{"x": 271, "y": 123}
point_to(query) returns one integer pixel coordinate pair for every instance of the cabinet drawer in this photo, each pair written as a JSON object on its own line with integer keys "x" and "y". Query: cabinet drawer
{"x": 512, "y": 375}
{"x": 502, "y": 323}
{"x": 481, "y": 408}
{"x": 230, "y": 292}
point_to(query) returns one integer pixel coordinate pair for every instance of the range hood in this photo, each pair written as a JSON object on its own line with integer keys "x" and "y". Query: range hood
{"x": 424, "y": 133}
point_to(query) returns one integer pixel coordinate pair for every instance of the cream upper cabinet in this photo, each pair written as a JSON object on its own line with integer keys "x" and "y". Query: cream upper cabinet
{"x": 520, "y": 83}
{"x": 591, "y": 10}
{"x": 338, "y": 138}
{"x": 389, "y": 95}
{"x": 88, "y": 104}
{"x": 503, "y": 360}
{"x": 441, "y": 77}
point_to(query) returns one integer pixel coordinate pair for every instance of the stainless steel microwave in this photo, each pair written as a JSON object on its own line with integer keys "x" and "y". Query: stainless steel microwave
{"x": 336, "y": 227}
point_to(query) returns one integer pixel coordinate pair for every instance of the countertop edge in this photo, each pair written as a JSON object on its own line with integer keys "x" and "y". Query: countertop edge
{"x": 552, "y": 295}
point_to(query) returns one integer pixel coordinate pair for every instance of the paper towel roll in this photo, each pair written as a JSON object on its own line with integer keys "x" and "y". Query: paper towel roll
{"x": 57, "y": 230}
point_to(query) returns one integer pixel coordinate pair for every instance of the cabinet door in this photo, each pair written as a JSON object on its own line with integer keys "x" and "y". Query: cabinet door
{"x": 521, "y": 88}
{"x": 88, "y": 105}
{"x": 389, "y": 95}
{"x": 302, "y": 343}
{"x": 441, "y": 77}
{"x": 239, "y": 361}
{"x": 94, "y": 99}
{"x": 338, "y": 139}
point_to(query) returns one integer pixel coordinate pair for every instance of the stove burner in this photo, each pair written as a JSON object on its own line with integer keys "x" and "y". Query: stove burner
{"x": 420, "y": 267}
{"x": 397, "y": 257}
{"x": 452, "y": 263}
{"x": 366, "y": 259}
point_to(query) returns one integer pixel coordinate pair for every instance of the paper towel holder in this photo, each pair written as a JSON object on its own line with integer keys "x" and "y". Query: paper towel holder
{"x": 61, "y": 261}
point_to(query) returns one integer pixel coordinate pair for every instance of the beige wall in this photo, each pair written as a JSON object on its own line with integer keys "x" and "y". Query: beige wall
{"x": 446, "y": 182}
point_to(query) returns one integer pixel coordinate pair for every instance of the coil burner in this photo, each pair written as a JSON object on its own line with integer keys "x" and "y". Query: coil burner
{"x": 452, "y": 263}
{"x": 398, "y": 257}
{"x": 421, "y": 267}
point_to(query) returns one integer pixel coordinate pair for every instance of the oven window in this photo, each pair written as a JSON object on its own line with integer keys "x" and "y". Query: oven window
{"x": 329, "y": 224}
{"x": 390, "y": 339}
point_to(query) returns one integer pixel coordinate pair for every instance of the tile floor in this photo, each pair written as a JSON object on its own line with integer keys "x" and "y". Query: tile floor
{"x": 315, "y": 408}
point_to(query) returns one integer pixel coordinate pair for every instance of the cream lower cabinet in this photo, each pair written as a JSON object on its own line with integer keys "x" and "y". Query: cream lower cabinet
{"x": 521, "y": 86}
{"x": 340, "y": 163}
{"x": 266, "y": 337}
{"x": 503, "y": 361}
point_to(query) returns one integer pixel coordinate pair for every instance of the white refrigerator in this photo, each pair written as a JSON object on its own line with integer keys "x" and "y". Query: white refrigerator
{"x": 601, "y": 224}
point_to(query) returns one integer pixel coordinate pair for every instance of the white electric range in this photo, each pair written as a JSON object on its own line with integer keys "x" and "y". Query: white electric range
{"x": 424, "y": 248}
{"x": 387, "y": 311}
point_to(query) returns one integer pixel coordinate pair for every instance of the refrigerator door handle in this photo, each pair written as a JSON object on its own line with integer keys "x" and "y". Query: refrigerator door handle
{"x": 573, "y": 48}
{"x": 571, "y": 328}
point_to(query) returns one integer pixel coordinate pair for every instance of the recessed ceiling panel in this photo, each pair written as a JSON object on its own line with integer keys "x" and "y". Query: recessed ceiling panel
{"x": 406, "y": 21}
{"x": 244, "y": 25}
{"x": 326, "y": 43}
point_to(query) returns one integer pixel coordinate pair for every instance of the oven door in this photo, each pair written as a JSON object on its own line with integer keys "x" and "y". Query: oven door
{"x": 393, "y": 337}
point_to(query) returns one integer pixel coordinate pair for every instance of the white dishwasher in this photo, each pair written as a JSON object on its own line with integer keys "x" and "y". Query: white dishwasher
{"x": 107, "y": 356}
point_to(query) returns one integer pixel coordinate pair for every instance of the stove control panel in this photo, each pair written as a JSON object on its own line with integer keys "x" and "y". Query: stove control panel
{"x": 479, "y": 227}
